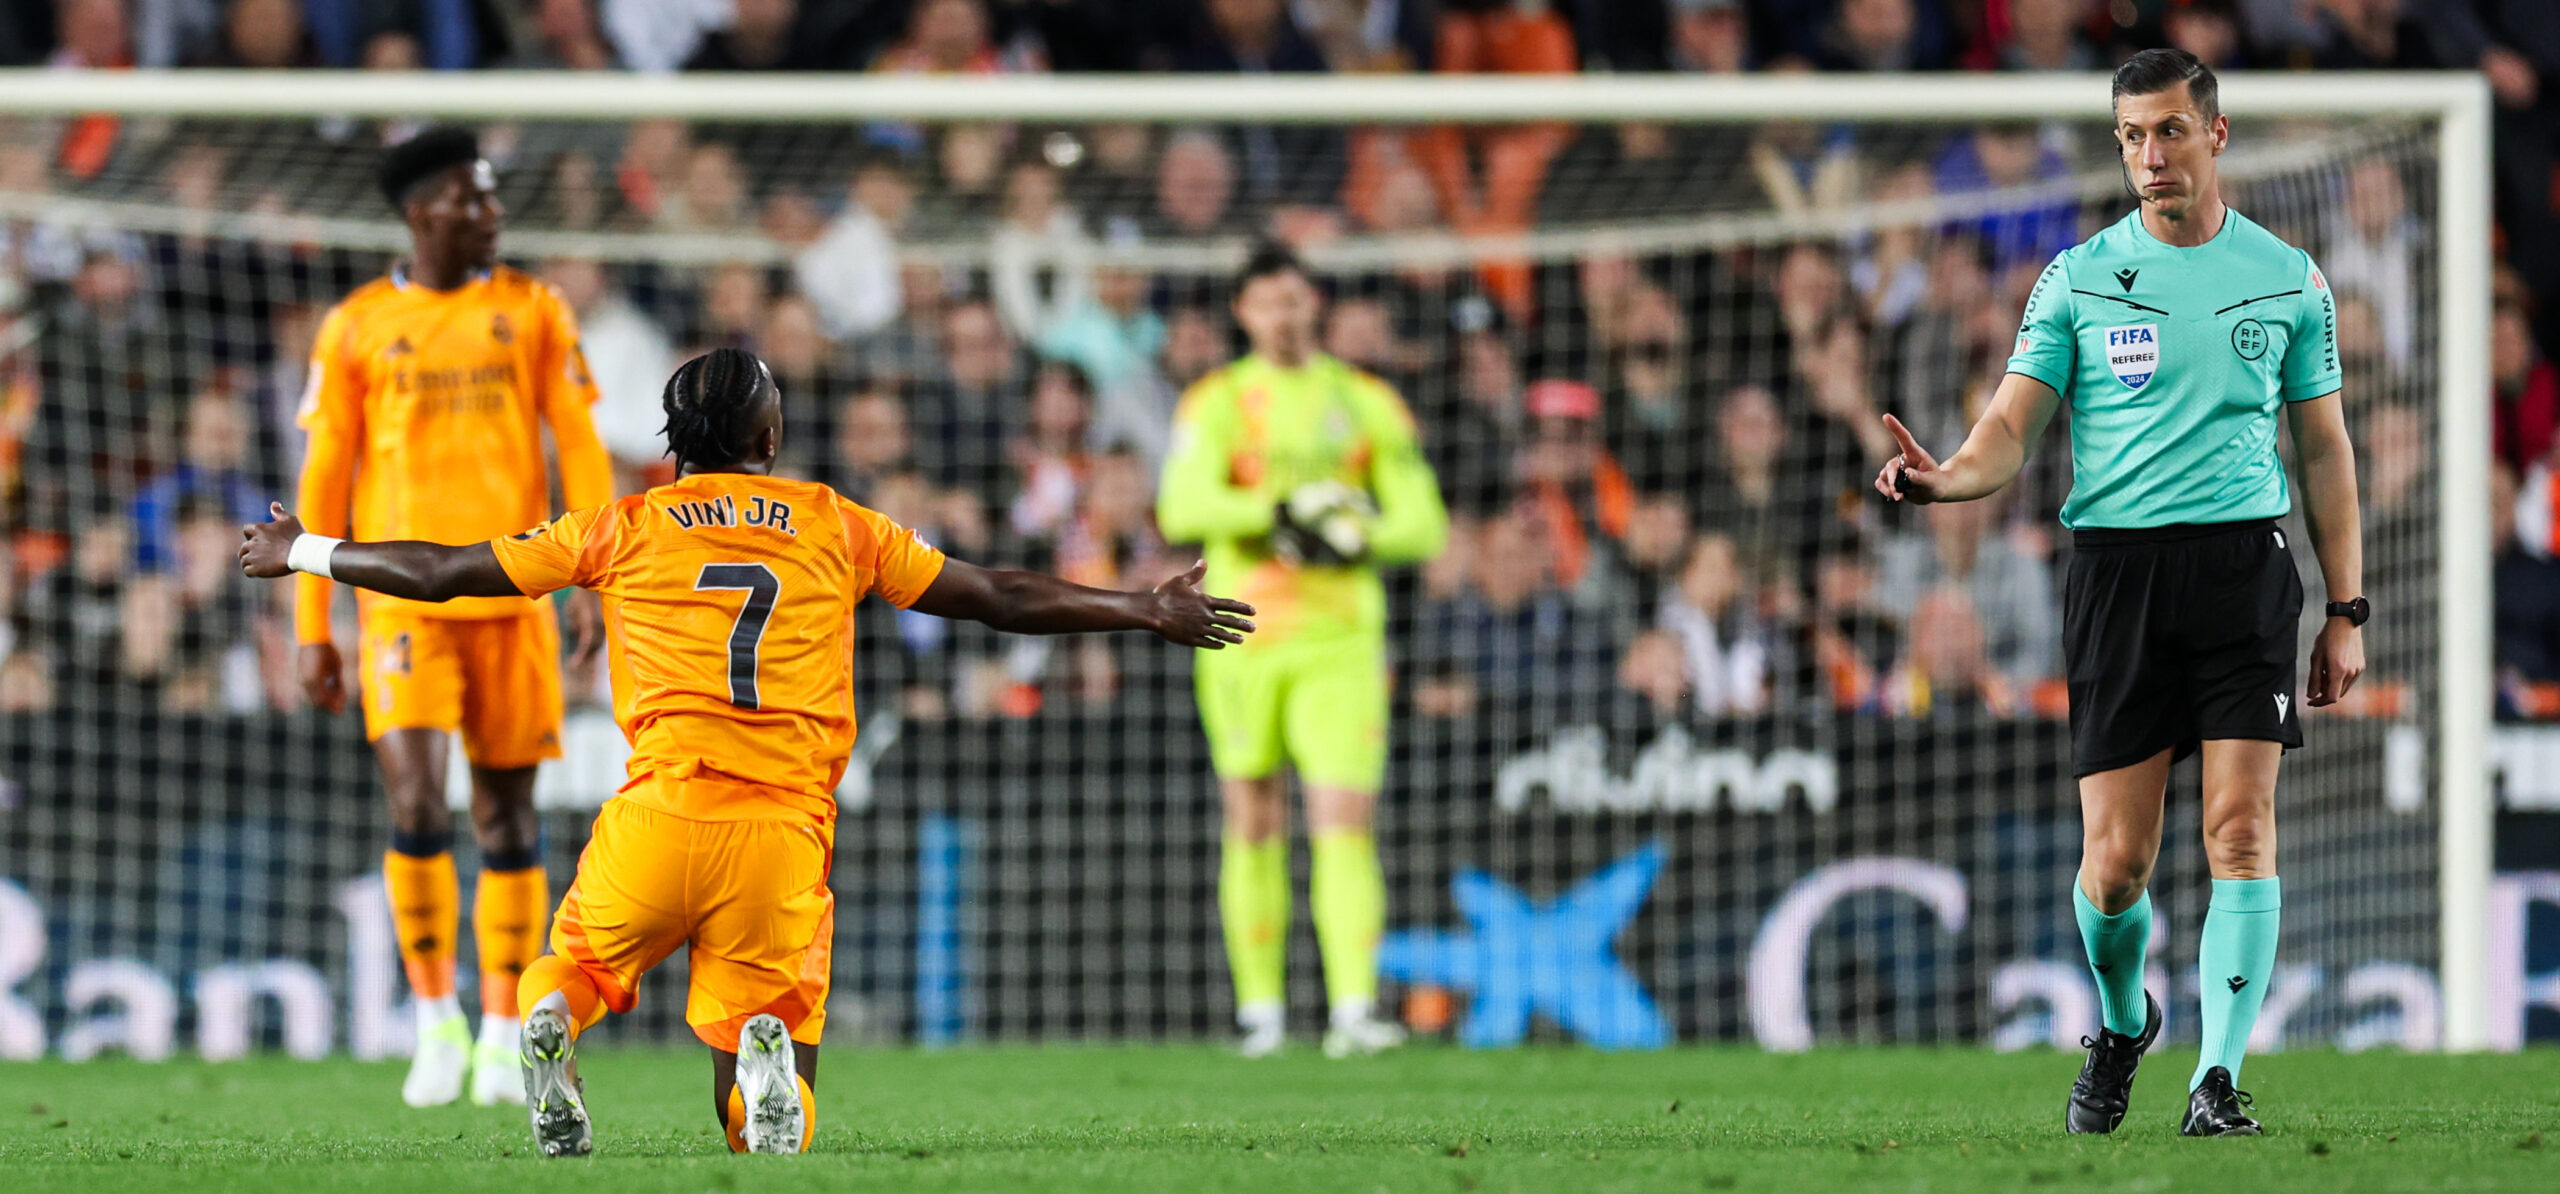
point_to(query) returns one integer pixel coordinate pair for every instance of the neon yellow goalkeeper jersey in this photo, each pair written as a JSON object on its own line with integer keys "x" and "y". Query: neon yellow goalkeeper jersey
{"x": 1246, "y": 435}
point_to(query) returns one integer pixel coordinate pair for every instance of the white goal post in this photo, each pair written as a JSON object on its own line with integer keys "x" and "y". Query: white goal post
{"x": 2457, "y": 104}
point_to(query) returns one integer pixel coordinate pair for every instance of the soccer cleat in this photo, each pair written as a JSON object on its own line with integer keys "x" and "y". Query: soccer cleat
{"x": 769, "y": 1087}
{"x": 1266, "y": 1029}
{"x": 2214, "y": 1108}
{"x": 497, "y": 1064}
{"x": 551, "y": 1087}
{"x": 2104, "y": 1089}
{"x": 1361, "y": 1038}
{"x": 437, "y": 1067}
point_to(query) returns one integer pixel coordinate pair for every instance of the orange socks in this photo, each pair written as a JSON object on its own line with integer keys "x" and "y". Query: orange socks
{"x": 737, "y": 1117}
{"x": 507, "y": 920}
{"x": 426, "y": 910}
{"x": 552, "y": 973}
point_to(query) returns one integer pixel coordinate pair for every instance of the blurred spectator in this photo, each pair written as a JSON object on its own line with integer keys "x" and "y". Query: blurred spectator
{"x": 2208, "y": 29}
{"x": 946, "y": 37}
{"x": 1368, "y": 36}
{"x": 2527, "y": 588}
{"x": 2048, "y": 35}
{"x": 964, "y": 418}
{"x": 851, "y": 270}
{"x": 91, "y": 35}
{"x": 629, "y": 356}
{"x": 2373, "y": 247}
{"x": 2003, "y": 155}
{"x": 102, "y": 374}
{"x": 732, "y": 303}
{"x": 1041, "y": 261}
{"x": 1114, "y": 336}
{"x": 803, "y": 363}
{"x": 1847, "y": 640}
{"x": 560, "y": 35}
{"x": 872, "y": 443}
{"x": 770, "y": 35}
{"x": 1571, "y": 483}
{"x": 439, "y": 34}
{"x": 654, "y": 157}
{"x": 2010, "y": 590}
{"x": 1050, "y": 457}
{"x": 1195, "y": 182}
{"x": 1805, "y": 167}
{"x": 2366, "y": 369}
{"x": 1871, "y": 35}
{"x": 194, "y": 632}
{"x": 1654, "y": 421}
{"x": 1751, "y": 490}
{"x": 1655, "y": 668}
{"x": 214, "y": 472}
{"x": 264, "y": 35}
{"x": 1477, "y": 437}
{"x": 1195, "y": 342}
{"x": 656, "y": 36}
{"x": 1724, "y": 650}
{"x": 1947, "y": 669}
{"x": 78, "y": 613}
{"x": 1657, "y": 544}
{"x": 968, "y": 162}
{"x": 1112, "y": 542}
{"x": 1514, "y": 641}
{"x": 1710, "y": 36}
{"x": 712, "y": 196}
{"x": 1890, "y": 271}
{"x": 1489, "y": 177}
{"x": 2527, "y": 411}
{"x": 1958, "y": 328}
{"x": 2373, "y": 35}
{"x": 1257, "y": 37}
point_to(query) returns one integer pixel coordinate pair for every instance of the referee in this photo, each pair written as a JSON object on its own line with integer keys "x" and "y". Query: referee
{"x": 2177, "y": 334}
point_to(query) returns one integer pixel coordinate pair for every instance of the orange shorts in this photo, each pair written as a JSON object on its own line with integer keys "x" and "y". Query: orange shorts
{"x": 495, "y": 680}
{"x": 750, "y": 898}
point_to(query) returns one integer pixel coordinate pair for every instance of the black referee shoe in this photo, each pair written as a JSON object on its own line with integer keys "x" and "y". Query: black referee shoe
{"x": 2105, "y": 1086}
{"x": 2215, "y": 1109}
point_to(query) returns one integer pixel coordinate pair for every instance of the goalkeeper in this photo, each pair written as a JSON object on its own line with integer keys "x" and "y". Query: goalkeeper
{"x": 1300, "y": 475}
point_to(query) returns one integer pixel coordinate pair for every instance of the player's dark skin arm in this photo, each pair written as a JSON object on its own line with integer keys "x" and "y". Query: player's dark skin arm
{"x": 1036, "y": 603}
{"x": 1011, "y": 601}
{"x": 405, "y": 568}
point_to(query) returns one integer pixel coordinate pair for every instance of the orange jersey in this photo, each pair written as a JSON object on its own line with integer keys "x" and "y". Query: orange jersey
{"x": 729, "y": 601}
{"x": 426, "y": 410}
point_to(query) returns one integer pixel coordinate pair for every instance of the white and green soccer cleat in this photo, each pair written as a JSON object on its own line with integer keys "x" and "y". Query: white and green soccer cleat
{"x": 769, "y": 1086}
{"x": 551, "y": 1088}
{"x": 497, "y": 1064}
{"x": 436, "y": 1068}
{"x": 1361, "y": 1037}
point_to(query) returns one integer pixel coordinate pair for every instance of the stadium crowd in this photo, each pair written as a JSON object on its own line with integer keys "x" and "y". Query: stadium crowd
{"x": 1657, "y": 463}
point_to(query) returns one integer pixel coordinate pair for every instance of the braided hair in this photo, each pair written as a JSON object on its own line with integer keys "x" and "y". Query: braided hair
{"x": 708, "y": 402}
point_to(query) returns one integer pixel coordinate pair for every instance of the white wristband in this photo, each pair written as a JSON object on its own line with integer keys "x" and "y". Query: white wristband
{"x": 310, "y": 553}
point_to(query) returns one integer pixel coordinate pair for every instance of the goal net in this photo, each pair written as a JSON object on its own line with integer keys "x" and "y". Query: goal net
{"x": 1694, "y": 739}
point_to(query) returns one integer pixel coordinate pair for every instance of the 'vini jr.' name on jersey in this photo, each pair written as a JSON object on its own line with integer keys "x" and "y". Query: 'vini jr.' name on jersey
{"x": 722, "y": 511}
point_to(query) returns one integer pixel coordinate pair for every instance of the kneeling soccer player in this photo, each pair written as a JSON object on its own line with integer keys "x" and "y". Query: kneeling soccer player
{"x": 729, "y": 597}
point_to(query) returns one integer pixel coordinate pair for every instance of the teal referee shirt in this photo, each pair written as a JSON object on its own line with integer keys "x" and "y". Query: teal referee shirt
{"x": 2174, "y": 363}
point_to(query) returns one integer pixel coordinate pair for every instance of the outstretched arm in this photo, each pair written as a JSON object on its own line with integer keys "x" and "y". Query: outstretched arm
{"x": 1037, "y": 603}
{"x": 1991, "y": 455}
{"x": 401, "y": 568}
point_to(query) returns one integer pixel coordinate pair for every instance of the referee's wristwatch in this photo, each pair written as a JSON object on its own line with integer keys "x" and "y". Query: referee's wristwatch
{"x": 2355, "y": 612}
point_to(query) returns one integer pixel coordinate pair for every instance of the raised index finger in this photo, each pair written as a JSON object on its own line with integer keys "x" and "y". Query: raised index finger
{"x": 1911, "y": 450}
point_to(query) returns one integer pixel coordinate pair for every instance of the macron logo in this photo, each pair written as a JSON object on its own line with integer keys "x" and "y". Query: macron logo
{"x": 2283, "y": 703}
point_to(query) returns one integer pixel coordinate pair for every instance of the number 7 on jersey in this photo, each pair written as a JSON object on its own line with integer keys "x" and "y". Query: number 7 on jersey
{"x": 761, "y": 588}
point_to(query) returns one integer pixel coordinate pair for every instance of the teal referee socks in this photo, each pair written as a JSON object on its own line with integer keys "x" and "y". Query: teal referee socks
{"x": 2116, "y": 946}
{"x": 2233, "y": 961}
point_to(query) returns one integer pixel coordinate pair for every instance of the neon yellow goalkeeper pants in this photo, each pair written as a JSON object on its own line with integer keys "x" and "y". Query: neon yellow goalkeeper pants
{"x": 1320, "y": 705}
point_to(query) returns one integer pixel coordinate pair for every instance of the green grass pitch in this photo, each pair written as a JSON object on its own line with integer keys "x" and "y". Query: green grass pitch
{"x": 1025, "y": 1121}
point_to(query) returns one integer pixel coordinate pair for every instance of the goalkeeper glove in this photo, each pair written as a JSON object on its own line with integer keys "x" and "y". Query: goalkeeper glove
{"x": 1323, "y": 523}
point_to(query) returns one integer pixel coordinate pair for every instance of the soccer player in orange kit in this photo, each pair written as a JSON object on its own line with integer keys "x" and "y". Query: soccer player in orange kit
{"x": 429, "y": 391}
{"x": 728, "y": 597}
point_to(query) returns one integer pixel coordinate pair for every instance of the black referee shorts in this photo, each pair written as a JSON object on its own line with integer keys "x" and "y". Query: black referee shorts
{"x": 2178, "y": 634}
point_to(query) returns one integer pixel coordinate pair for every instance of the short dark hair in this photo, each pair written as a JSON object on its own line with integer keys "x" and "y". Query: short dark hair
{"x": 1269, "y": 259}
{"x": 2153, "y": 71}
{"x": 423, "y": 157}
{"x": 708, "y": 402}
